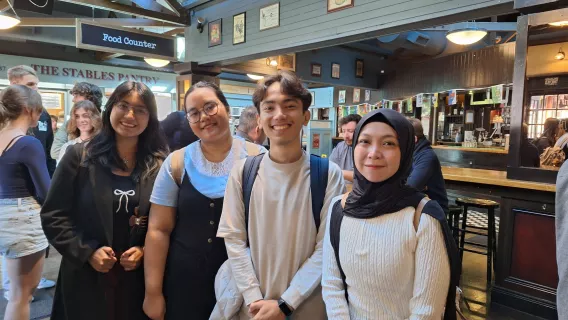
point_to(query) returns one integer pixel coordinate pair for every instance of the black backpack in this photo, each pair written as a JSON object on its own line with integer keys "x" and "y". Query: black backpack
{"x": 318, "y": 183}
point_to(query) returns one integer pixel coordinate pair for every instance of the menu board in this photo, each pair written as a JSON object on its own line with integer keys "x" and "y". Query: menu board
{"x": 52, "y": 100}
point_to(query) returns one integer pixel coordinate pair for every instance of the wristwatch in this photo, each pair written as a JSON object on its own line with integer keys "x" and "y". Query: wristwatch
{"x": 286, "y": 310}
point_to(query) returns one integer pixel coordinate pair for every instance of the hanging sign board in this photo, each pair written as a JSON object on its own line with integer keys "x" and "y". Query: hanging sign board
{"x": 39, "y": 6}
{"x": 435, "y": 100}
{"x": 497, "y": 93}
{"x": 127, "y": 41}
{"x": 453, "y": 97}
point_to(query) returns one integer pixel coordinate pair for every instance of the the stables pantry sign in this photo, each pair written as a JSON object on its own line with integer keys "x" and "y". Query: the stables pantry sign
{"x": 123, "y": 40}
{"x": 89, "y": 74}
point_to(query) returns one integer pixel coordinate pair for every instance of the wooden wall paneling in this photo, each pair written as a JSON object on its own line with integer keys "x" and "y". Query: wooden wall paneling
{"x": 306, "y": 25}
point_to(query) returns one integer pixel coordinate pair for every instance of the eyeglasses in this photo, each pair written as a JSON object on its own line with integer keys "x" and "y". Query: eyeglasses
{"x": 124, "y": 108}
{"x": 194, "y": 115}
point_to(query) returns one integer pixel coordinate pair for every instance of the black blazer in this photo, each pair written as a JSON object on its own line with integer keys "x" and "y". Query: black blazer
{"x": 77, "y": 218}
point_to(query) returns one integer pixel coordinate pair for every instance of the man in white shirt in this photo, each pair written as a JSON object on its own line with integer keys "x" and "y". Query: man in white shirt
{"x": 281, "y": 273}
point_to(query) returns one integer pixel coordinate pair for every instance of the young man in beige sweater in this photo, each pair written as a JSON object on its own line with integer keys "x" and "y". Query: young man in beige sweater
{"x": 281, "y": 274}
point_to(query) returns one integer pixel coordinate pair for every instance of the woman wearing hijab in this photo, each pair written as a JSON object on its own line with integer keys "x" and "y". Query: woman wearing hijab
{"x": 390, "y": 266}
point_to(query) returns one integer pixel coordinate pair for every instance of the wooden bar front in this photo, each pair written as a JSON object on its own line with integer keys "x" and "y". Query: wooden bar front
{"x": 526, "y": 273}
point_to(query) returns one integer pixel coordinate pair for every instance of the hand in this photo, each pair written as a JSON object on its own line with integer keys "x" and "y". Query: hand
{"x": 131, "y": 258}
{"x": 154, "y": 306}
{"x": 266, "y": 310}
{"x": 103, "y": 259}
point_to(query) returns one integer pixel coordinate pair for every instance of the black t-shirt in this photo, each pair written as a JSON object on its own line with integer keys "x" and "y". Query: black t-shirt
{"x": 44, "y": 133}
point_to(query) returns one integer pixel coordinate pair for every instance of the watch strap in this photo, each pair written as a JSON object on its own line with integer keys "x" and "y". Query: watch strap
{"x": 284, "y": 307}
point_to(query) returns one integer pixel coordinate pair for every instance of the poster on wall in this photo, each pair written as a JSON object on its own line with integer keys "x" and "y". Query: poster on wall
{"x": 435, "y": 100}
{"x": 342, "y": 94}
{"x": 215, "y": 33}
{"x": 453, "y": 97}
{"x": 367, "y": 95}
{"x": 356, "y": 95}
{"x": 497, "y": 93}
{"x": 419, "y": 99}
{"x": 315, "y": 141}
{"x": 270, "y": 16}
{"x": 239, "y": 28}
{"x": 426, "y": 101}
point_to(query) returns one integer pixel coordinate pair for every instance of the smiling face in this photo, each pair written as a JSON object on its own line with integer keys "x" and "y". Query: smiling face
{"x": 377, "y": 152}
{"x": 207, "y": 115}
{"x": 282, "y": 117}
{"x": 130, "y": 116}
{"x": 83, "y": 120}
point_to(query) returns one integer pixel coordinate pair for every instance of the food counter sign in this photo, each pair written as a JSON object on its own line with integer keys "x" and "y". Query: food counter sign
{"x": 123, "y": 40}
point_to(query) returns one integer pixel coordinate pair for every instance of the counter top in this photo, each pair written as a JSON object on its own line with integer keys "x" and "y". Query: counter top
{"x": 482, "y": 149}
{"x": 493, "y": 177}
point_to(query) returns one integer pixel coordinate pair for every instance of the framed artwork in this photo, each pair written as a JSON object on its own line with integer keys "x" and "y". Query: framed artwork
{"x": 313, "y": 93}
{"x": 336, "y": 5}
{"x": 287, "y": 62}
{"x": 239, "y": 28}
{"x": 367, "y": 95}
{"x": 359, "y": 65}
{"x": 270, "y": 16}
{"x": 316, "y": 70}
{"x": 356, "y": 95}
{"x": 342, "y": 94}
{"x": 335, "y": 68}
{"x": 215, "y": 29}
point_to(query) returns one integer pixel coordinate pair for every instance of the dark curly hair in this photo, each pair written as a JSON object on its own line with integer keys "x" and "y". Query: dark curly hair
{"x": 90, "y": 91}
{"x": 290, "y": 85}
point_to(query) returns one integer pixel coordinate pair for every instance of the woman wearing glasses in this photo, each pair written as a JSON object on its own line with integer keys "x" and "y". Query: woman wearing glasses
{"x": 96, "y": 214}
{"x": 182, "y": 251}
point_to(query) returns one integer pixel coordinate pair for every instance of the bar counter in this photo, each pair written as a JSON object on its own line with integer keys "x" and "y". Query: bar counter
{"x": 478, "y": 149}
{"x": 526, "y": 275}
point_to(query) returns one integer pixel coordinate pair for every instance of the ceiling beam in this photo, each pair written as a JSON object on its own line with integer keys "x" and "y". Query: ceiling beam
{"x": 104, "y": 56}
{"x": 189, "y": 4}
{"x": 154, "y": 6}
{"x": 174, "y": 32}
{"x": 489, "y": 26}
{"x": 139, "y": 12}
{"x": 71, "y": 22}
{"x": 4, "y": 5}
{"x": 176, "y": 6}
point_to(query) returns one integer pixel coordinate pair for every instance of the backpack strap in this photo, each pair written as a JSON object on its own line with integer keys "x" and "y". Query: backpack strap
{"x": 252, "y": 149}
{"x": 177, "y": 165}
{"x": 250, "y": 170}
{"x": 319, "y": 168}
{"x": 418, "y": 212}
{"x": 334, "y": 235}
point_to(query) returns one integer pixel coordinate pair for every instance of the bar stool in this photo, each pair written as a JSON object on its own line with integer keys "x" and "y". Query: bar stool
{"x": 453, "y": 218}
{"x": 491, "y": 235}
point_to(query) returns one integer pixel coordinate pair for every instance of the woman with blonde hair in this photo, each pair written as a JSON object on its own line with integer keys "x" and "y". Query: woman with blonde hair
{"x": 84, "y": 124}
{"x": 24, "y": 183}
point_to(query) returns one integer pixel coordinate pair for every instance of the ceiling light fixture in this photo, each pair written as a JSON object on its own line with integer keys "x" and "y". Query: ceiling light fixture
{"x": 158, "y": 63}
{"x": 7, "y": 20}
{"x": 254, "y": 77}
{"x": 559, "y": 23}
{"x": 560, "y": 55}
{"x": 272, "y": 62}
{"x": 467, "y": 35}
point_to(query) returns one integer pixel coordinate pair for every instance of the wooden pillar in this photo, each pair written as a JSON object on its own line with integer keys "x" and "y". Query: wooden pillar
{"x": 191, "y": 73}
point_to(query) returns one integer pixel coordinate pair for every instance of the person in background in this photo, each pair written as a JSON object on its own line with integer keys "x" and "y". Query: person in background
{"x": 96, "y": 213}
{"x": 549, "y": 135}
{"x": 275, "y": 256}
{"x": 182, "y": 253}
{"x": 84, "y": 124}
{"x": 177, "y": 130}
{"x": 249, "y": 128}
{"x": 529, "y": 152}
{"x": 80, "y": 91}
{"x": 562, "y": 141}
{"x": 562, "y": 240}
{"x": 25, "y": 75}
{"x": 394, "y": 256}
{"x": 24, "y": 182}
{"x": 342, "y": 153}
{"x": 426, "y": 175}
{"x": 54, "y": 123}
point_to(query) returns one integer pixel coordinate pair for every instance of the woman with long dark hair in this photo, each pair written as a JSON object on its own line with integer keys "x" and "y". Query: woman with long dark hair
{"x": 96, "y": 212}
{"x": 549, "y": 135}
{"x": 182, "y": 249}
{"x": 388, "y": 251}
{"x": 24, "y": 182}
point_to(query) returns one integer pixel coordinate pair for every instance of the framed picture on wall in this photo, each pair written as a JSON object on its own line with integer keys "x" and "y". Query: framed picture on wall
{"x": 341, "y": 97}
{"x": 336, "y": 5}
{"x": 239, "y": 28}
{"x": 359, "y": 67}
{"x": 215, "y": 29}
{"x": 356, "y": 95}
{"x": 287, "y": 62}
{"x": 270, "y": 16}
{"x": 367, "y": 95}
{"x": 316, "y": 70}
{"x": 335, "y": 68}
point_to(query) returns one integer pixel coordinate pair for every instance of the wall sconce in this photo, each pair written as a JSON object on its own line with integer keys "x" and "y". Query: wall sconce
{"x": 200, "y": 24}
{"x": 272, "y": 62}
{"x": 560, "y": 55}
